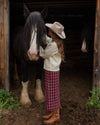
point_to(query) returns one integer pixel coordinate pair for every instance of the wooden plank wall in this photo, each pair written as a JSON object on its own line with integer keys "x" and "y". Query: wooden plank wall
{"x": 4, "y": 43}
{"x": 96, "y": 67}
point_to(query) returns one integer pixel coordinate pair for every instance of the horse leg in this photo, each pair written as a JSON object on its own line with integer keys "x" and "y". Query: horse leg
{"x": 16, "y": 73}
{"x": 24, "y": 99}
{"x": 39, "y": 95}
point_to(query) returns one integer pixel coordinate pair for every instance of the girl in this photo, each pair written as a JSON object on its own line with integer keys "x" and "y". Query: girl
{"x": 53, "y": 54}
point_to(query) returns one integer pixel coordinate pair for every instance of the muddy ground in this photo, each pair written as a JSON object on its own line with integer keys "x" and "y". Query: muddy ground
{"x": 75, "y": 84}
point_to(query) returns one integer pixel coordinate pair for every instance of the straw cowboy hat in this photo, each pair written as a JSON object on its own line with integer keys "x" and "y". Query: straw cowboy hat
{"x": 57, "y": 28}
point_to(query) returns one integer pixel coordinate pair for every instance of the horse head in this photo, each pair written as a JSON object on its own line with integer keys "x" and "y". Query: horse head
{"x": 34, "y": 33}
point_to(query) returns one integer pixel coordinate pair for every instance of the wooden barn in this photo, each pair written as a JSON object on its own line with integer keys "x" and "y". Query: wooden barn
{"x": 71, "y": 13}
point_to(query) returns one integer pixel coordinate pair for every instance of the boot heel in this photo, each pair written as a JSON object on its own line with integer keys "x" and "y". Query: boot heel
{"x": 58, "y": 120}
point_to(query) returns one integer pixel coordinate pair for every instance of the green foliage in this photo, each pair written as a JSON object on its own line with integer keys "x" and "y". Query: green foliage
{"x": 7, "y": 101}
{"x": 94, "y": 100}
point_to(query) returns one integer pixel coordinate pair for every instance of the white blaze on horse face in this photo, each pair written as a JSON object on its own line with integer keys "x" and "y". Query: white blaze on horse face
{"x": 33, "y": 44}
{"x": 83, "y": 48}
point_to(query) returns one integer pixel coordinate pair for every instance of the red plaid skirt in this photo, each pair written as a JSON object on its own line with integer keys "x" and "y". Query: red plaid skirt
{"x": 52, "y": 90}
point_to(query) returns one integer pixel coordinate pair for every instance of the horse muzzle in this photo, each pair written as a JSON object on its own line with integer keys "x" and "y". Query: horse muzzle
{"x": 33, "y": 57}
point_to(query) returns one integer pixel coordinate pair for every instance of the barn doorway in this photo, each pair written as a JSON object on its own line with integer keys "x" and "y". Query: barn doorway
{"x": 77, "y": 71}
{"x": 74, "y": 16}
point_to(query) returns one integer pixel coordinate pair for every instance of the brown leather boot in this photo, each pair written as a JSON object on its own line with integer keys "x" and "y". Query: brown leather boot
{"x": 48, "y": 116}
{"x": 54, "y": 118}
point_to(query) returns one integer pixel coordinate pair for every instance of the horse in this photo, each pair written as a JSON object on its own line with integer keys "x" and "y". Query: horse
{"x": 26, "y": 43}
{"x": 87, "y": 36}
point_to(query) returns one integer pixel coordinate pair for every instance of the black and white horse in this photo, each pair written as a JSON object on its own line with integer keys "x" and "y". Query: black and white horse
{"x": 26, "y": 43}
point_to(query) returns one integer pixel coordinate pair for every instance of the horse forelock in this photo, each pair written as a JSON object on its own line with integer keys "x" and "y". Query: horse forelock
{"x": 35, "y": 19}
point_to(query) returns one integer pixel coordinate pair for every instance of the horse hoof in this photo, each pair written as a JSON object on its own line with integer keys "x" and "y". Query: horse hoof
{"x": 40, "y": 100}
{"x": 26, "y": 104}
{"x": 39, "y": 97}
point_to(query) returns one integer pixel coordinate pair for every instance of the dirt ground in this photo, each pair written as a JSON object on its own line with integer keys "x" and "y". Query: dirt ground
{"x": 75, "y": 84}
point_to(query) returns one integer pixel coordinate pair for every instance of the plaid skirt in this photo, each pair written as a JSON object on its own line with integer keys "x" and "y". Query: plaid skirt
{"x": 52, "y": 90}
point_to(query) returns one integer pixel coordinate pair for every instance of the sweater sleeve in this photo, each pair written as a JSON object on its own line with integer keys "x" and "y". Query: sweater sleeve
{"x": 50, "y": 50}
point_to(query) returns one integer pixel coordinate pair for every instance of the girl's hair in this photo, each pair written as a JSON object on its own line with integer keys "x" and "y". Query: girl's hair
{"x": 60, "y": 45}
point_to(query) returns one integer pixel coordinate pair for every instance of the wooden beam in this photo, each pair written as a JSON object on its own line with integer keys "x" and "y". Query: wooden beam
{"x": 59, "y": 4}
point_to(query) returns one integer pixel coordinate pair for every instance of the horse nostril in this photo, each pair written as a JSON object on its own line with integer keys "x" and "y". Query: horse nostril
{"x": 30, "y": 53}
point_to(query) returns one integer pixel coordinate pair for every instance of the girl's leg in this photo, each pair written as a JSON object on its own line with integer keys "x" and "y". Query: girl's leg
{"x": 52, "y": 96}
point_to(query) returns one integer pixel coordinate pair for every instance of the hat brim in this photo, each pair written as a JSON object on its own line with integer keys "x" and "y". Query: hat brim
{"x": 50, "y": 26}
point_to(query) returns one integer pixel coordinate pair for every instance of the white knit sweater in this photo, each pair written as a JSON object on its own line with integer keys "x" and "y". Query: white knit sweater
{"x": 51, "y": 55}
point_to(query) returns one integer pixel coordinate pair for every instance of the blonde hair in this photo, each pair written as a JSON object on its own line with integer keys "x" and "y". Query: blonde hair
{"x": 60, "y": 45}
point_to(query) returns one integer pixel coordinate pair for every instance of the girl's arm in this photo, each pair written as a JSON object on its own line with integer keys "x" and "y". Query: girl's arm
{"x": 50, "y": 50}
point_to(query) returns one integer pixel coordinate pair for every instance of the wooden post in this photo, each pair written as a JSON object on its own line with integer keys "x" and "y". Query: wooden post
{"x": 2, "y": 41}
{"x": 6, "y": 44}
{"x": 96, "y": 66}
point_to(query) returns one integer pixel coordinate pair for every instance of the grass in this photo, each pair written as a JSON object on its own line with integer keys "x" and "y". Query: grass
{"x": 94, "y": 100}
{"x": 8, "y": 101}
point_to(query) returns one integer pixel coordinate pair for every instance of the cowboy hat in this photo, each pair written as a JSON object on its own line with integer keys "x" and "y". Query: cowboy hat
{"x": 57, "y": 28}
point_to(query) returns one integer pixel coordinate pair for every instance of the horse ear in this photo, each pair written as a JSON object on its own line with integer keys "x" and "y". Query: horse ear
{"x": 26, "y": 11}
{"x": 44, "y": 13}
